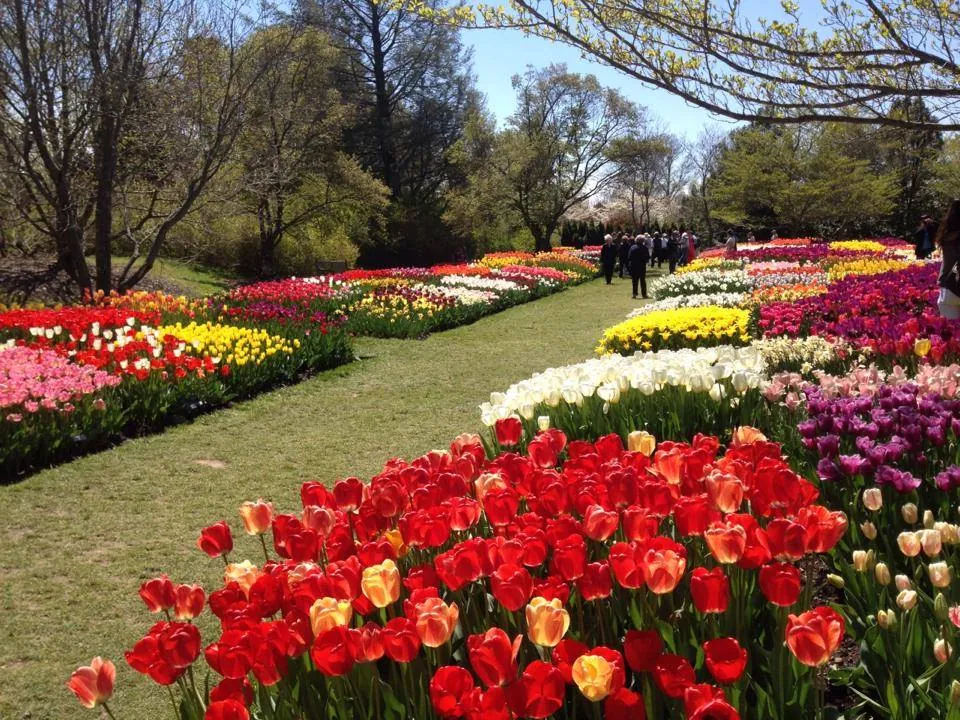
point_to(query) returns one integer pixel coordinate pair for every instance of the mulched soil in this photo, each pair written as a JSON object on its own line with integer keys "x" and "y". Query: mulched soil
{"x": 33, "y": 278}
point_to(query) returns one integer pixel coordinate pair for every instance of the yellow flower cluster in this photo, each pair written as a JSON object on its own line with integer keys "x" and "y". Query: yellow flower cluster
{"x": 858, "y": 245}
{"x": 152, "y": 301}
{"x": 704, "y": 263}
{"x": 382, "y": 282}
{"x": 865, "y": 266}
{"x": 234, "y": 345}
{"x": 393, "y": 307}
{"x": 499, "y": 260}
{"x": 678, "y": 328}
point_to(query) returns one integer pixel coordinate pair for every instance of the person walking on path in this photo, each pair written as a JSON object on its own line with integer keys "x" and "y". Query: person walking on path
{"x": 671, "y": 252}
{"x": 639, "y": 255}
{"x": 608, "y": 257}
{"x": 623, "y": 252}
{"x": 948, "y": 240}
{"x": 657, "y": 250}
{"x": 923, "y": 238}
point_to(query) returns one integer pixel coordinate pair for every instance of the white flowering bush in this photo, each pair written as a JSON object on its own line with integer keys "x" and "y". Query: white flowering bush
{"x": 699, "y": 300}
{"x": 703, "y": 282}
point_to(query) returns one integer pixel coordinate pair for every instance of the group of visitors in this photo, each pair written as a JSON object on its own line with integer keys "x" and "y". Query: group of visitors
{"x": 635, "y": 252}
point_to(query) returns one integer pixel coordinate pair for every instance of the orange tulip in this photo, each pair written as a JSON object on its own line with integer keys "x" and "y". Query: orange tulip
{"x": 328, "y": 613}
{"x": 814, "y": 635}
{"x": 189, "y": 604}
{"x": 436, "y": 621}
{"x": 746, "y": 435}
{"x": 256, "y": 516}
{"x": 244, "y": 573}
{"x": 669, "y": 465}
{"x": 663, "y": 564}
{"x": 93, "y": 683}
{"x": 381, "y": 583}
{"x": 547, "y": 621}
{"x": 725, "y": 491}
{"x": 726, "y": 541}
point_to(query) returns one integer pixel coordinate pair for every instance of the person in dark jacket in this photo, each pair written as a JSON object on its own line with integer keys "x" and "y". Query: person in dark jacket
{"x": 948, "y": 240}
{"x": 657, "y": 250}
{"x": 608, "y": 257}
{"x": 623, "y": 253}
{"x": 924, "y": 236}
{"x": 638, "y": 258}
{"x": 673, "y": 244}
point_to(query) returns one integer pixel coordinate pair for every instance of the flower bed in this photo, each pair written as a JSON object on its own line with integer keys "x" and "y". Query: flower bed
{"x": 680, "y": 328}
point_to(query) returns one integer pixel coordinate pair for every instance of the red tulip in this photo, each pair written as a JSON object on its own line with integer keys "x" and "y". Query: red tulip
{"x": 725, "y": 659}
{"x": 349, "y": 494}
{"x": 231, "y": 655}
{"x": 228, "y": 709}
{"x": 598, "y": 523}
{"x": 541, "y": 451}
{"x": 625, "y": 561}
{"x": 624, "y": 704}
{"x": 232, "y": 689}
{"x": 787, "y": 539}
{"x": 780, "y": 583}
{"x": 710, "y": 590}
{"x": 332, "y": 651}
{"x": 165, "y": 652}
{"x": 93, "y": 683}
{"x": 493, "y": 657}
{"x": 216, "y": 540}
{"x": 501, "y": 505}
{"x": 158, "y": 594}
{"x": 596, "y": 582}
{"x": 693, "y": 514}
{"x": 564, "y": 655}
{"x": 511, "y": 585}
{"x": 642, "y": 649}
{"x": 539, "y": 691}
{"x": 673, "y": 674}
{"x": 569, "y": 557}
{"x": 824, "y": 528}
{"x": 815, "y": 635}
{"x": 401, "y": 643}
{"x": 664, "y": 562}
{"x": 700, "y": 694}
{"x": 726, "y": 541}
{"x": 508, "y": 431}
{"x": 639, "y": 523}
{"x": 189, "y": 601}
{"x": 450, "y": 687}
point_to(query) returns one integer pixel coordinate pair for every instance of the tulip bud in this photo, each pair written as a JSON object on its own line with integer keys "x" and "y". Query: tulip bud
{"x": 869, "y": 530}
{"x": 928, "y": 519}
{"x": 910, "y": 513}
{"x": 939, "y": 573}
{"x": 836, "y": 581}
{"x": 907, "y": 599}
{"x": 860, "y": 560}
{"x": 887, "y": 619}
{"x": 903, "y": 582}
{"x": 872, "y": 499}
{"x": 882, "y": 573}
{"x": 940, "y": 608}
{"x": 909, "y": 543}
{"x": 955, "y": 693}
{"x": 941, "y": 650}
{"x": 931, "y": 543}
{"x": 543, "y": 423}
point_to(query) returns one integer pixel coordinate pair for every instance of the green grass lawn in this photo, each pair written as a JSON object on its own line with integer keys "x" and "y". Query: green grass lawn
{"x": 194, "y": 280}
{"x": 76, "y": 541}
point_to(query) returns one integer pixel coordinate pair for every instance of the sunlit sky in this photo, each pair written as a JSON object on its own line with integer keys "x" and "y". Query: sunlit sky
{"x": 500, "y": 54}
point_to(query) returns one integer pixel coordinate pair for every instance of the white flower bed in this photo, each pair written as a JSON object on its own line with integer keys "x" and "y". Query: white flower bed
{"x": 703, "y": 282}
{"x": 681, "y": 301}
{"x": 480, "y": 283}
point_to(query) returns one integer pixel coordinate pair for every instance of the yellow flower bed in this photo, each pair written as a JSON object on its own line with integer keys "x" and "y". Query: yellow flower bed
{"x": 502, "y": 259}
{"x": 395, "y": 307}
{"x": 704, "y": 263}
{"x": 785, "y": 293}
{"x": 865, "y": 266}
{"x": 680, "y": 328}
{"x": 858, "y": 245}
{"x": 234, "y": 345}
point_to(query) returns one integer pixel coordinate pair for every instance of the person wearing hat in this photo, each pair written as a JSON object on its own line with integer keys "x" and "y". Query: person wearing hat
{"x": 924, "y": 236}
{"x": 608, "y": 257}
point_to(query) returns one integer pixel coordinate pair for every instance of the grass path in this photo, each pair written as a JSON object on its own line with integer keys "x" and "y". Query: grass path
{"x": 76, "y": 541}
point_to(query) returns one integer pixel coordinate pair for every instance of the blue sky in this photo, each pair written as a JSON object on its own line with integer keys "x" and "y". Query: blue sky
{"x": 500, "y": 54}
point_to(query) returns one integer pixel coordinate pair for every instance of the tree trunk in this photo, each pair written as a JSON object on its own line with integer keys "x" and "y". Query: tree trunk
{"x": 103, "y": 218}
{"x": 382, "y": 117}
{"x": 265, "y": 267}
{"x": 541, "y": 237}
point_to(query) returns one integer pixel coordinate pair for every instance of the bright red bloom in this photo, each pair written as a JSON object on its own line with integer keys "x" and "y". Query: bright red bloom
{"x": 624, "y": 704}
{"x": 787, "y": 539}
{"x": 664, "y": 562}
{"x": 189, "y": 601}
{"x": 508, "y": 431}
{"x": 165, "y": 652}
{"x": 726, "y": 541}
{"x": 231, "y": 689}
{"x": 673, "y": 674}
{"x": 569, "y": 557}
{"x": 539, "y": 691}
{"x": 564, "y": 654}
{"x": 493, "y": 657}
{"x": 815, "y": 635}
{"x": 725, "y": 659}
{"x": 824, "y": 528}
{"x": 693, "y": 514}
{"x": 349, "y": 493}
{"x": 598, "y": 523}
{"x": 401, "y": 643}
{"x": 625, "y": 561}
{"x": 332, "y": 651}
{"x": 780, "y": 583}
{"x": 542, "y": 452}
{"x": 216, "y": 540}
{"x": 639, "y": 523}
{"x": 511, "y": 585}
{"x": 706, "y": 702}
{"x": 500, "y": 505}
{"x": 93, "y": 683}
{"x": 231, "y": 655}
{"x": 710, "y": 590}
{"x": 449, "y": 688}
{"x": 229, "y": 709}
{"x": 642, "y": 648}
{"x": 596, "y": 582}
{"x": 158, "y": 594}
